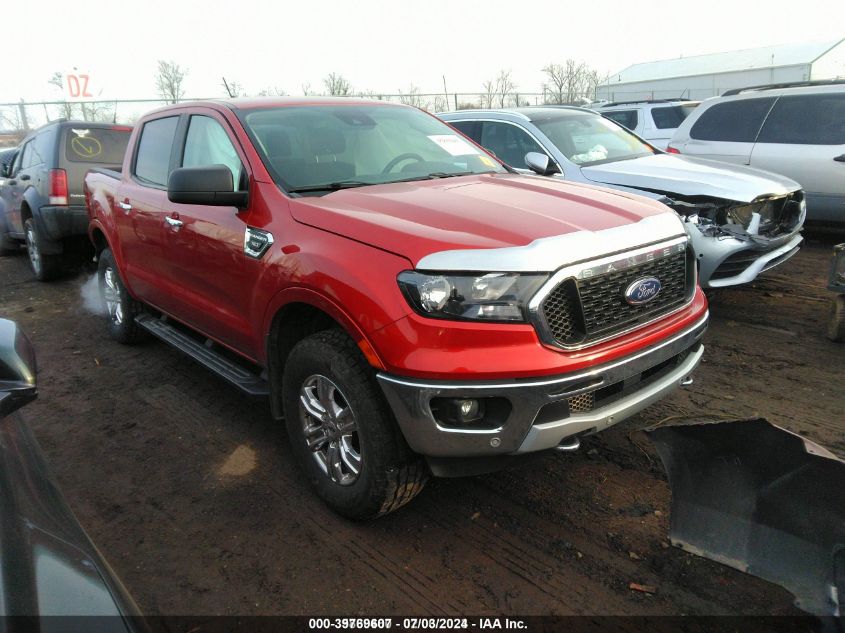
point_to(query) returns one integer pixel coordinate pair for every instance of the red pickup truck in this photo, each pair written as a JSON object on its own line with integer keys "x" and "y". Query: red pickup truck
{"x": 409, "y": 304}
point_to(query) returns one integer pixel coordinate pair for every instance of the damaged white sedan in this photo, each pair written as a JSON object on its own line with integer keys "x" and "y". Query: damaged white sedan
{"x": 741, "y": 221}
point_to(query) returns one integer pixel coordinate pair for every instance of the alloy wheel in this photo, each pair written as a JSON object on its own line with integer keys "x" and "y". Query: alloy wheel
{"x": 32, "y": 250}
{"x": 331, "y": 430}
{"x": 111, "y": 295}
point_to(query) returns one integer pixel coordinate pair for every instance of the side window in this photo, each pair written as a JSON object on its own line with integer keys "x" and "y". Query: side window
{"x": 18, "y": 164}
{"x": 43, "y": 146}
{"x": 626, "y": 118}
{"x": 152, "y": 162}
{"x": 470, "y": 128}
{"x": 734, "y": 121}
{"x": 807, "y": 120}
{"x": 508, "y": 142}
{"x": 28, "y": 155}
{"x": 208, "y": 144}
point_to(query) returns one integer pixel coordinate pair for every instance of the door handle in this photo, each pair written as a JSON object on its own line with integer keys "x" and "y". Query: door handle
{"x": 24, "y": 176}
{"x": 840, "y": 158}
{"x": 173, "y": 222}
{"x": 125, "y": 206}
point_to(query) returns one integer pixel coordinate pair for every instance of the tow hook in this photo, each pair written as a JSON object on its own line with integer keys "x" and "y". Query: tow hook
{"x": 573, "y": 445}
{"x": 686, "y": 382}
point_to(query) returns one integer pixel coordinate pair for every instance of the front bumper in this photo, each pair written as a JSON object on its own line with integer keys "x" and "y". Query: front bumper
{"x": 56, "y": 223}
{"x": 727, "y": 261}
{"x": 540, "y": 416}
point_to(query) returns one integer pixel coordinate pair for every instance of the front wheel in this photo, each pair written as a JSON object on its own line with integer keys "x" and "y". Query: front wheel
{"x": 343, "y": 432}
{"x": 120, "y": 308}
{"x": 45, "y": 267}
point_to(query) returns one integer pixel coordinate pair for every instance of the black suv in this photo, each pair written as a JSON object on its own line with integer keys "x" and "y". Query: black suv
{"x": 41, "y": 197}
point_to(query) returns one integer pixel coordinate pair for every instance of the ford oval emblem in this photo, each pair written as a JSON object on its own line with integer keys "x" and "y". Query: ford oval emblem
{"x": 643, "y": 290}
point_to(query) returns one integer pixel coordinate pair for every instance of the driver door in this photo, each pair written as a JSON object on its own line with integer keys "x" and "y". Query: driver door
{"x": 207, "y": 242}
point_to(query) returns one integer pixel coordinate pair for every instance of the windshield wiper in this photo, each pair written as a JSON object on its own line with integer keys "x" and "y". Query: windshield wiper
{"x": 435, "y": 175}
{"x": 332, "y": 186}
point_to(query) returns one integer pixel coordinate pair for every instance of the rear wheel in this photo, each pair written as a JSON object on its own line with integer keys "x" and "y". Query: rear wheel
{"x": 343, "y": 432}
{"x": 120, "y": 308}
{"x": 45, "y": 267}
{"x": 836, "y": 326}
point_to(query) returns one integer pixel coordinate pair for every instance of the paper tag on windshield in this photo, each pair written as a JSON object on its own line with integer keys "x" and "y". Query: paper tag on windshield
{"x": 455, "y": 145}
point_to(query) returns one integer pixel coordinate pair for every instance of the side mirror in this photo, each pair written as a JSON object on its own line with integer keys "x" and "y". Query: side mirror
{"x": 17, "y": 368}
{"x": 541, "y": 164}
{"x": 4, "y": 170}
{"x": 211, "y": 185}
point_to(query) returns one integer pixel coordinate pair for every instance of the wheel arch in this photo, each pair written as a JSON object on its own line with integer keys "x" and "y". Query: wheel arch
{"x": 98, "y": 239}
{"x": 296, "y": 314}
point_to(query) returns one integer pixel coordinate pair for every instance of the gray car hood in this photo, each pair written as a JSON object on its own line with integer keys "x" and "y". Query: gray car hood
{"x": 686, "y": 176}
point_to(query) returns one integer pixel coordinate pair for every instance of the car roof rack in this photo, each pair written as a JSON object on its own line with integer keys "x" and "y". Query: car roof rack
{"x": 787, "y": 84}
{"x": 618, "y": 103}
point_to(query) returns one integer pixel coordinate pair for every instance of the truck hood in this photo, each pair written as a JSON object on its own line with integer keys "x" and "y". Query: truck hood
{"x": 490, "y": 211}
{"x": 685, "y": 176}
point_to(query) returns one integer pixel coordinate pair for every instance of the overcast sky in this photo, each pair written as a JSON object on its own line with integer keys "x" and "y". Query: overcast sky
{"x": 378, "y": 45}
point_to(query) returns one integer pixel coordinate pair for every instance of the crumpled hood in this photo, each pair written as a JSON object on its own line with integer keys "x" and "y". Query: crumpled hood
{"x": 686, "y": 176}
{"x": 490, "y": 211}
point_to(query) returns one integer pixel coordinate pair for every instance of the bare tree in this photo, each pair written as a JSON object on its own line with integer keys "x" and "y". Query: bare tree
{"x": 489, "y": 88}
{"x": 412, "y": 97}
{"x": 569, "y": 82}
{"x": 272, "y": 91}
{"x": 337, "y": 85}
{"x": 232, "y": 88}
{"x": 169, "y": 81}
{"x": 12, "y": 119}
{"x": 504, "y": 86}
{"x": 66, "y": 109}
{"x": 306, "y": 89}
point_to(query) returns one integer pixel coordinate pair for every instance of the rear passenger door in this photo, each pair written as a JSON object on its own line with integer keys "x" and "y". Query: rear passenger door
{"x": 804, "y": 138}
{"x": 727, "y": 130}
{"x": 139, "y": 216}
{"x": 12, "y": 191}
{"x": 207, "y": 242}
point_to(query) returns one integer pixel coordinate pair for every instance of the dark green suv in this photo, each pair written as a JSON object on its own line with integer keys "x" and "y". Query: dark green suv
{"x": 41, "y": 199}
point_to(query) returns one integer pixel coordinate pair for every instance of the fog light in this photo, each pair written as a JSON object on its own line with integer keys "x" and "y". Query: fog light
{"x": 470, "y": 412}
{"x": 468, "y": 409}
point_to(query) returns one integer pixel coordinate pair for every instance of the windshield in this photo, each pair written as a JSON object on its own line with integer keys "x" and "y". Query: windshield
{"x": 321, "y": 148}
{"x": 586, "y": 138}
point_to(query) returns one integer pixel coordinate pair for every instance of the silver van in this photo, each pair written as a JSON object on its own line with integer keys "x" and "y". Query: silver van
{"x": 789, "y": 129}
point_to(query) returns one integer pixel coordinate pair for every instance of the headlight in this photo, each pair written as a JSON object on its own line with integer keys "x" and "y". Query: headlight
{"x": 490, "y": 297}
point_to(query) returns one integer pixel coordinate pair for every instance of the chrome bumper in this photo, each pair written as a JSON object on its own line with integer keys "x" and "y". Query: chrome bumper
{"x": 410, "y": 401}
{"x": 717, "y": 251}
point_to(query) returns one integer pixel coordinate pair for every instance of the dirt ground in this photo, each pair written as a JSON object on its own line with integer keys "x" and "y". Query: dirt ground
{"x": 190, "y": 491}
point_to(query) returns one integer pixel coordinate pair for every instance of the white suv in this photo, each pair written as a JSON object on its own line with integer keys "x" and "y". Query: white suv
{"x": 655, "y": 121}
{"x": 796, "y": 131}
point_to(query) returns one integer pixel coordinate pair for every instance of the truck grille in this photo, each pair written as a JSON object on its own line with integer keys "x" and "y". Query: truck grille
{"x": 579, "y": 311}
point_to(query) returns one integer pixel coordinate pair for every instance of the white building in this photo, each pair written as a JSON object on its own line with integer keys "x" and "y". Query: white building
{"x": 703, "y": 76}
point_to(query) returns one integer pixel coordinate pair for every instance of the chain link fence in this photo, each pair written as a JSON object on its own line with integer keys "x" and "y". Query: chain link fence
{"x": 18, "y": 118}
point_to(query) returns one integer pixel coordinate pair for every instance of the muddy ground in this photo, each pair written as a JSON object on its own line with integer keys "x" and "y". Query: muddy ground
{"x": 189, "y": 488}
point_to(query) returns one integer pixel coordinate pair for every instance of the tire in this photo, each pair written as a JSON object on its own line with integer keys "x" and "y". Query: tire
{"x": 45, "y": 267}
{"x": 328, "y": 368}
{"x": 836, "y": 325}
{"x": 120, "y": 307}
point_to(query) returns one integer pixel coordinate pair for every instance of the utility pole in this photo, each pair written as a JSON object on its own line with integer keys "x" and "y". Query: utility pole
{"x": 446, "y": 93}
{"x": 24, "y": 121}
